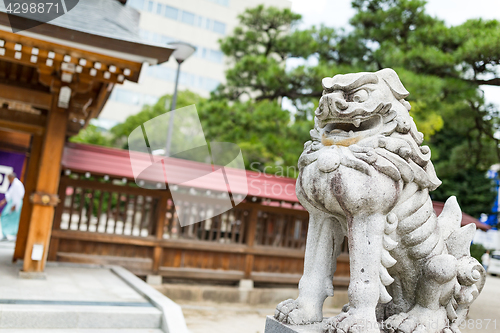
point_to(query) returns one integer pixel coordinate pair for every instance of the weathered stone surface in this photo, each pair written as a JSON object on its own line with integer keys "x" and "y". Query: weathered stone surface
{"x": 366, "y": 175}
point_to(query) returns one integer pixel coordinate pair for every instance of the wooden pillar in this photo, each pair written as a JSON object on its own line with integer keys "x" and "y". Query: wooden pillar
{"x": 47, "y": 184}
{"x": 31, "y": 176}
{"x": 250, "y": 239}
{"x": 160, "y": 226}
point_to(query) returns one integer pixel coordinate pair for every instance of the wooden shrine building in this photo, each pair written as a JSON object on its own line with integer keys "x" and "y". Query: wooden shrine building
{"x": 54, "y": 78}
{"x": 105, "y": 218}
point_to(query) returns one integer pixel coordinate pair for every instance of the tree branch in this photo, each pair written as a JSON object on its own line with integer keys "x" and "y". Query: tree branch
{"x": 491, "y": 82}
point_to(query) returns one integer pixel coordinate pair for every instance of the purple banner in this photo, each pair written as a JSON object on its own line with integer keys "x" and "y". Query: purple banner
{"x": 9, "y": 162}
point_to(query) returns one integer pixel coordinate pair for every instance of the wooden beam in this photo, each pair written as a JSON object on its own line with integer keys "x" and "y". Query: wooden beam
{"x": 48, "y": 182}
{"x": 273, "y": 209}
{"x": 97, "y": 105}
{"x": 129, "y": 69}
{"x": 30, "y": 123}
{"x": 35, "y": 98}
{"x": 109, "y": 45}
{"x": 73, "y": 128}
{"x": 22, "y": 121}
{"x": 30, "y": 179}
{"x": 200, "y": 273}
{"x": 15, "y": 141}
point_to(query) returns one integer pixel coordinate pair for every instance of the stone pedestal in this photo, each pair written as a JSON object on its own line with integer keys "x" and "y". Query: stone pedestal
{"x": 274, "y": 326}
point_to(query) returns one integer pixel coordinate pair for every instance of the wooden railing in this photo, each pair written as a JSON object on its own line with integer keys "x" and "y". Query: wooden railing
{"x": 108, "y": 222}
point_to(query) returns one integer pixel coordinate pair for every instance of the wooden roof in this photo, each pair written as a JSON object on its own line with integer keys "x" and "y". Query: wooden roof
{"x": 116, "y": 163}
{"x": 103, "y": 26}
{"x": 92, "y": 47}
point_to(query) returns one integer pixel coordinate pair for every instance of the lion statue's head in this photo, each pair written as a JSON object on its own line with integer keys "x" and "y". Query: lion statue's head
{"x": 367, "y": 114}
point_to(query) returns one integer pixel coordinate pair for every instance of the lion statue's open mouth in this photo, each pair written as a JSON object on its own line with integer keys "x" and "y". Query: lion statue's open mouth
{"x": 366, "y": 175}
{"x": 359, "y": 126}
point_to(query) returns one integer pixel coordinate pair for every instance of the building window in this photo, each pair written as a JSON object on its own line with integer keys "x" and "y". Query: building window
{"x": 199, "y": 21}
{"x": 131, "y": 97}
{"x": 215, "y": 56}
{"x": 150, "y": 6}
{"x": 171, "y": 12}
{"x": 208, "y": 24}
{"x": 188, "y": 18}
{"x": 137, "y": 4}
{"x": 159, "y": 9}
{"x": 219, "y": 27}
{"x": 185, "y": 79}
{"x": 221, "y": 2}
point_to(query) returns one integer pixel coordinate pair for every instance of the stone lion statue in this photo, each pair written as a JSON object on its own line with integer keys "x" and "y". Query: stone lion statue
{"x": 366, "y": 175}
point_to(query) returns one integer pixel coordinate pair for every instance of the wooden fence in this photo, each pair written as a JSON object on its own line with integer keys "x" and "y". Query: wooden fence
{"x": 108, "y": 222}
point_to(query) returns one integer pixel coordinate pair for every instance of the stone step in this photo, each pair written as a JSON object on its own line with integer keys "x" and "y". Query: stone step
{"x": 16, "y": 316}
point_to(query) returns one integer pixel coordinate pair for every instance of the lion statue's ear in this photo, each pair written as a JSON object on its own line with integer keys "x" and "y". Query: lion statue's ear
{"x": 392, "y": 79}
{"x": 327, "y": 83}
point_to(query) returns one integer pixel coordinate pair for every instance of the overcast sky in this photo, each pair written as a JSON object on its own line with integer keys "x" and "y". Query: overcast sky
{"x": 337, "y": 13}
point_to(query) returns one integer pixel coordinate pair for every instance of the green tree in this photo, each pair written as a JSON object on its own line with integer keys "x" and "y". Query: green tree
{"x": 121, "y": 131}
{"x": 262, "y": 129}
{"x": 443, "y": 68}
{"x": 93, "y": 135}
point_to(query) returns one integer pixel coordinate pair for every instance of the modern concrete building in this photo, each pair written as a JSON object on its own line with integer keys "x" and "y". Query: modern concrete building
{"x": 199, "y": 22}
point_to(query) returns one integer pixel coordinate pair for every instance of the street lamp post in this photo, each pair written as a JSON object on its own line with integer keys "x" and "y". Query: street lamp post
{"x": 181, "y": 53}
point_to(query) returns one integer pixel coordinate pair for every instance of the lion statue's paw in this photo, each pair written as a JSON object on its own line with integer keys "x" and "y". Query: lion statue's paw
{"x": 291, "y": 312}
{"x": 419, "y": 320}
{"x": 350, "y": 322}
{"x": 404, "y": 323}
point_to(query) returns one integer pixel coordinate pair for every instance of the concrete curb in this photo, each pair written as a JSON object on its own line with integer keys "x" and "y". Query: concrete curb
{"x": 172, "y": 318}
{"x": 268, "y": 297}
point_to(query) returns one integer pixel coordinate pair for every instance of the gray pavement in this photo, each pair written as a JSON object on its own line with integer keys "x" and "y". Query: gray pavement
{"x": 80, "y": 284}
{"x": 484, "y": 315}
{"x": 63, "y": 283}
{"x": 71, "y": 299}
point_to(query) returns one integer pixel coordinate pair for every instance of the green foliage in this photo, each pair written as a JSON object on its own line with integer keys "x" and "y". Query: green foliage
{"x": 121, "y": 131}
{"x": 93, "y": 135}
{"x": 472, "y": 189}
{"x": 263, "y": 130}
{"x": 477, "y": 250}
{"x": 441, "y": 66}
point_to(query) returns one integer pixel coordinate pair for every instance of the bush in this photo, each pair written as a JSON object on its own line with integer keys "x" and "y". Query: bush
{"x": 477, "y": 250}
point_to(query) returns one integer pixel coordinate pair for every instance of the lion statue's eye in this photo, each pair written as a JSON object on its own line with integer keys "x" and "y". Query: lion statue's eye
{"x": 360, "y": 96}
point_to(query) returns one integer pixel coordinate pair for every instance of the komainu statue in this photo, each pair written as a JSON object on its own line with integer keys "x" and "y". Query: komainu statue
{"x": 366, "y": 175}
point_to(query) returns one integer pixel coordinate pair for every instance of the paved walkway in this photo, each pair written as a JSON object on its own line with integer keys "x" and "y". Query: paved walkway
{"x": 63, "y": 283}
{"x": 484, "y": 314}
{"x": 73, "y": 299}
{"x": 99, "y": 285}
{"x": 230, "y": 318}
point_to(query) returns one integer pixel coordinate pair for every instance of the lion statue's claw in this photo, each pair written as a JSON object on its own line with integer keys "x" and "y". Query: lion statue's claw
{"x": 350, "y": 323}
{"x": 291, "y": 312}
{"x": 404, "y": 323}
